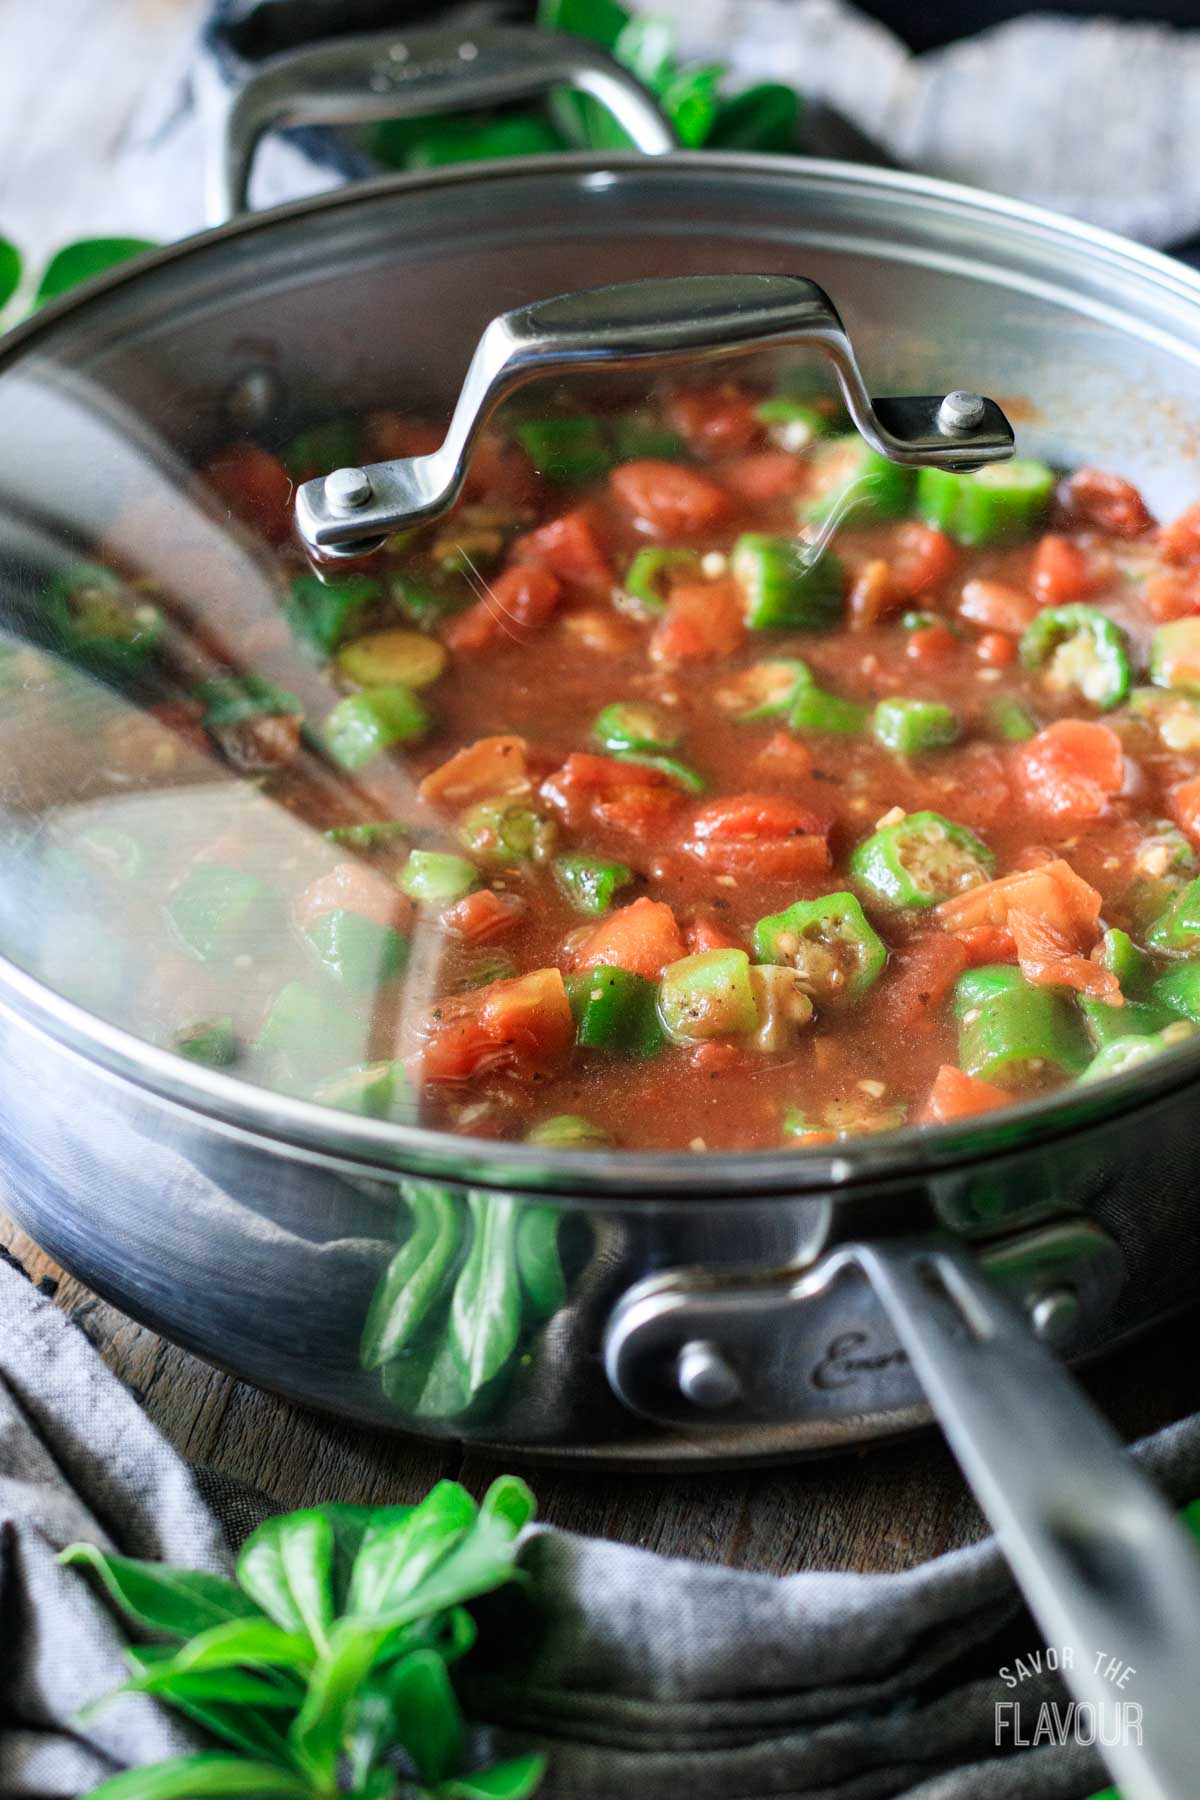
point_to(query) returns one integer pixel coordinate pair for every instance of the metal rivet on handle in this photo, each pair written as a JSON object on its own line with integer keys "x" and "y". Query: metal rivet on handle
{"x": 1054, "y": 1315}
{"x": 347, "y": 488}
{"x": 960, "y": 411}
{"x": 705, "y": 1378}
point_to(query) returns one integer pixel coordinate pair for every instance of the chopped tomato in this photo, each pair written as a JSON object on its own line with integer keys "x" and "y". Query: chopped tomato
{"x": 1172, "y": 594}
{"x": 1054, "y": 918}
{"x": 703, "y": 621}
{"x": 516, "y": 603}
{"x": 488, "y": 767}
{"x": 625, "y": 796}
{"x": 643, "y": 937}
{"x": 958, "y": 1096}
{"x": 998, "y": 651}
{"x": 997, "y": 606}
{"x": 1108, "y": 502}
{"x": 921, "y": 557}
{"x": 1185, "y": 807}
{"x": 920, "y": 975}
{"x": 639, "y": 808}
{"x": 765, "y": 476}
{"x": 352, "y": 887}
{"x": 1179, "y": 542}
{"x": 759, "y": 835}
{"x": 931, "y": 646}
{"x": 587, "y": 774}
{"x": 603, "y": 633}
{"x": 521, "y": 1027}
{"x": 715, "y": 421}
{"x": 669, "y": 500}
{"x": 483, "y": 916}
{"x": 388, "y": 436}
{"x": 1069, "y": 772}
{"x": 984, "y": 944}
{"x": 706, "y": 933}
{"x": 255, "y": 487}
{"x": 717, "y": 1055}
{"x": 569, "y": 548}
{"x": 500, "y": 472}
{"x": 786, "y": 756}
{"x": 1060, "y": 571}
{"x": 873, "y": 595}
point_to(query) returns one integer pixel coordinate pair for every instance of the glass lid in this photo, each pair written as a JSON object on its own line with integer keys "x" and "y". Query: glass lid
{"x": 663, "y": 794}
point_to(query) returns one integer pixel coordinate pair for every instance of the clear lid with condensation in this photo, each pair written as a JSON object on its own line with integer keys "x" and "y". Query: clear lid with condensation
{"x": 220, "y": 831}
{"x": 207, "y": 820}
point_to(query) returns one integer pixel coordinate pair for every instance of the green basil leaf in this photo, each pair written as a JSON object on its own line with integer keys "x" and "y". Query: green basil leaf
{"x": 255, "y": 1641}
{"x": 503, "y": 1781}
{"x": 372, "y": 1730}
{"x": 287, "y": 1565}
{"x": 484, "y": 1558}
{"x": 396, "y": 1558}
{"x": 245, "y": 1727}
{"x": 509, "y": 1500}
{"x": 260, "y": 1569}
{"x": 236, "y": 1686}
{"x": 524, "y": 134}
{"x": 316, "y": 1733}
{"x": 198, "y": 1777}
{"x": 450, "y": 1633}
{"x": 646, "y": 46}
{"x": 764, "y": 117}
{"x": 600, "y": 20}
{"x": 690, "y": 102}
{"x": 10, "y": 270}
{"x": 81, "y": 261}
{"x": 178, "y": 1601}
{"x": 416, "y": 1274}
{"x": 485, "y": 1308}
{"x": 428, "y": 1720}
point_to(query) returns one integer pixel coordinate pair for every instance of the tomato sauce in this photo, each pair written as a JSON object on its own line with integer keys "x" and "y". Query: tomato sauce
{"x": 740, "y": 791}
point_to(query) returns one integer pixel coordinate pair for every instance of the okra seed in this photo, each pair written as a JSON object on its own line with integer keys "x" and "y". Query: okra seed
{"x": 713, "y": 564}
{"x": 875, "y": 1089}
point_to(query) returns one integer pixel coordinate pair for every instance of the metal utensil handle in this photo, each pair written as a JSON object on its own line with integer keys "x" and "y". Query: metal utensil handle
{"x": 1106, "y": 1569}
{"x": 407, "y": 74}
{"x": 681, "y": 318}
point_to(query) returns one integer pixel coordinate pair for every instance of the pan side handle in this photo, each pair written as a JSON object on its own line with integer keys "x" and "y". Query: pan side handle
{"x": 1105, "y": 1567}
{"x": 409, "y": 74}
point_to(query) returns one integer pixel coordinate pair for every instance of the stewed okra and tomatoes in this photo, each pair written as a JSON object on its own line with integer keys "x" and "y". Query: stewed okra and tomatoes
{"x": 716, "y": 784}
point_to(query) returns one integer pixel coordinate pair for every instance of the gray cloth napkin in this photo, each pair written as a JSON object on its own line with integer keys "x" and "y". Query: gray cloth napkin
{"x": 641, "y": 1677}
{"x": 1094, "y": 117}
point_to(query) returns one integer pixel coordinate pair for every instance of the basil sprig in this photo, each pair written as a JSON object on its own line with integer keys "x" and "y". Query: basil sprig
{"x": 323, "y": 1669}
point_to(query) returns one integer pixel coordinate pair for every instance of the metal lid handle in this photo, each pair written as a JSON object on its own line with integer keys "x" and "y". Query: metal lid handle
{"x": 407, "y": 74}
{"x": 676, "y": 319}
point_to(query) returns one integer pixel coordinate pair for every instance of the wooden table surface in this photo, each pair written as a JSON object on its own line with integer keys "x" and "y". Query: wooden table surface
{"x": 85, "y": 91}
